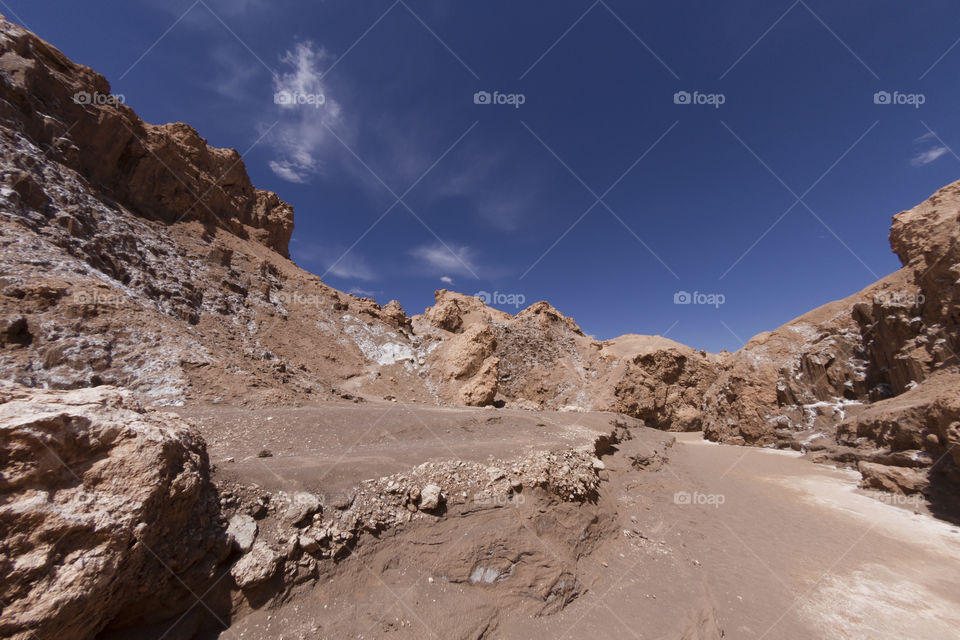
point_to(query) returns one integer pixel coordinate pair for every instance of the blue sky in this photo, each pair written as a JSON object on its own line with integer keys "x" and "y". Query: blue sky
{"x": 599, "y": 193}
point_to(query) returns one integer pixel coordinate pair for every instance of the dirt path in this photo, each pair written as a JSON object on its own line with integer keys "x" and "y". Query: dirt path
{"x": 331, "y": 447}
{"x": 718, "y": 542}
{"x": 782, "y": 548}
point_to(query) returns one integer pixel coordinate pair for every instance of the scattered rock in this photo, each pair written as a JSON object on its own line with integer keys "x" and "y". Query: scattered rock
{"x": 302, "y": 507}
{"x": 242, "y": 531}
{"x": 257, "y": 566}
{"x": 430, "y": 497}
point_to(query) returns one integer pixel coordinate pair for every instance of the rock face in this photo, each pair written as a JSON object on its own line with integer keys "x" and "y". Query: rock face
{"x": 664, "y": 382}
{"x": 799, "y": 377}
{"x": 102, "y": 503}
{"x": 872, "y": 379}
{"x": 67, "y": 108}
{"x": 136, "y": 255}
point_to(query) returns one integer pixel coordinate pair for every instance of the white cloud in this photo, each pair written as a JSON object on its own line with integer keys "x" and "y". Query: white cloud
{"x": 305, "y": 110}
{"x": 446, "y": 259}
{"x": 928, "y": 156}
{"x": 350, "y": 266}
{"x": 287, "y": 171}
{"x": 446, "y": 280}
{"x": 929, "y": 135}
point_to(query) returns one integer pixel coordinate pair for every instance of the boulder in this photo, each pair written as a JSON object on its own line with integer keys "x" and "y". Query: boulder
{"x": 108, "y": 513}
{"x": 302, "y": 507}
{"x": 242, "y": 531}
{"x": 255, "y": 567}
{"x": 893, "y": 479}
{"x": 430, "y": 497}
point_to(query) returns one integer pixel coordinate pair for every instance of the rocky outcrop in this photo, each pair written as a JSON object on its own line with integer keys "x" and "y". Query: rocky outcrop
{"x": 137, "y": 256}
{"x": 108, "y": 516}
{"x": 165, "y": 172}
{"x": 923, "y": 422}
{"x": 803, "y": 376}
{"x": 870, "y": 380}
{"x": 664, "y": 382}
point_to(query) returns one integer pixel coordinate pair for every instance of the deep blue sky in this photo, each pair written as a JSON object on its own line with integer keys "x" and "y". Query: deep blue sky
{"x": 401, "y": 95}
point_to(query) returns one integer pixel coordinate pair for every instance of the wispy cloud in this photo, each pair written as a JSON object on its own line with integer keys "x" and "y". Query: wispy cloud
{"x": 364, "y": 293}
{"x": 446, "y": 280}
{"x": 938, "y": 149}
{"x": 305, "y": 111}
{"x": 501, "y": 198}
{"x": 351, "y": 266}
{"x": 438, "y": 258}
{"x": 928, "y": 156}
{"x": 327, "y": 260}
{"x": 236, "y": 77}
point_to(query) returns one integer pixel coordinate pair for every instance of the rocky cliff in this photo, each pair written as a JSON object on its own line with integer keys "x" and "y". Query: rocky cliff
{"x": 868, "y": 380}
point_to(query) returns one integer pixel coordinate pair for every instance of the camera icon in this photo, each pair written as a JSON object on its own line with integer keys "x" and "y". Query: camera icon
{"x": 681, "y": 497}
{"x": 682, "y": 97}
{"x": 881, "y": 97}
{"x": 482, "y": 97}
{"x": 82, "y": 97}
{"x": 484, "y": 296}
{"x": 282, "y": 97}
{"x": 682, "y": 297}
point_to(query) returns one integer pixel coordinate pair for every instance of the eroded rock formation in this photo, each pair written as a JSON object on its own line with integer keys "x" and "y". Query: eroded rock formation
{"x": 108, "y": 515}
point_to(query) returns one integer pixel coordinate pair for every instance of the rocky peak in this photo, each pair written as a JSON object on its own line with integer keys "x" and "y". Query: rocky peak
{"x": 163, "y": 172}
{"x": 547, "y": 314}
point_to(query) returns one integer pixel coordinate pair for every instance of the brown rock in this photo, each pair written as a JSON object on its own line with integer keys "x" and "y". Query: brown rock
{"x": 892, "y": 479}
{"x": 255, "y": 567}
{"x": 98, "y": 498}
{"x": 108, "y": 144}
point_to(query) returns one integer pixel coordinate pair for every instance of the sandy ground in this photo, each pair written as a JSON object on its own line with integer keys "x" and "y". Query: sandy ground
{"x": 720, "y": 541}
{"x": 332, "y": 447}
